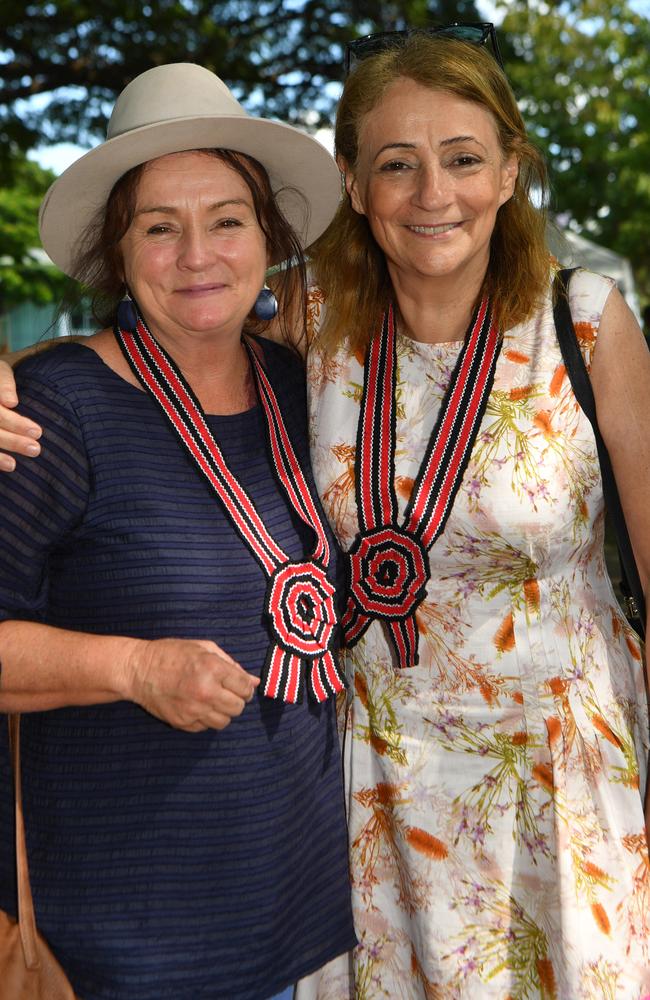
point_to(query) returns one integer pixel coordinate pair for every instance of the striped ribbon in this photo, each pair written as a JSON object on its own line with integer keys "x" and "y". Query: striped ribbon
{"x": 300, "y": 604}
{"x": 388, "y": 564}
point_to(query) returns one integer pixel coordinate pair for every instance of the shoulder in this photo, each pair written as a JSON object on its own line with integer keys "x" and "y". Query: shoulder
{"x": 62, "y": 385}
{"x": 58, "y": 367}
{"x": 588, "y": 293}
{"x": 281, "y": 360}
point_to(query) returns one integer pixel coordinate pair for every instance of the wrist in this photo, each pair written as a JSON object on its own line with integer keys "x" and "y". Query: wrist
{"x": 130, "y": 668}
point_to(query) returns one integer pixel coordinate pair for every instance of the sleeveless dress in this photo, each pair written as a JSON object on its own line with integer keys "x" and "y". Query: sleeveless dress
{"x": 495, "y": 790}
{"x": 165, "y": 865}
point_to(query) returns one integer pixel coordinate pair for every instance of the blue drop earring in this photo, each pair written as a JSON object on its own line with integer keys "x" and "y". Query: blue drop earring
{"x": 127, "y": 315}
{"x": 266, "y": 305}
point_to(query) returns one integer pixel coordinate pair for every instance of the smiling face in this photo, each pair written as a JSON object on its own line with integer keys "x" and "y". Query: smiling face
{"x": 430, "y": 178}
{"x": 194, "y": 256}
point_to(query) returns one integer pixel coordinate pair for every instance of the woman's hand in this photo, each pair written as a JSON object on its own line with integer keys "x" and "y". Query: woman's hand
{"x": 17, "y": 434}
{"x": 191, "y": 684}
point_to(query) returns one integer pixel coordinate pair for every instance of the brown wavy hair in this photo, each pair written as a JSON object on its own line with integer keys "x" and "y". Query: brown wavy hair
{"x": 98, "y": 264}
{"x": 350, "y": 266}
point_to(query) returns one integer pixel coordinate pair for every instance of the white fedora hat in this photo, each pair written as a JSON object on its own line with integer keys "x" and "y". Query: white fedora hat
{"x": 178, "y": 107}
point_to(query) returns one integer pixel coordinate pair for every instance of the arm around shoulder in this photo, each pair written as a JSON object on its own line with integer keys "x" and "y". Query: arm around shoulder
{"x": 18, "y": 434}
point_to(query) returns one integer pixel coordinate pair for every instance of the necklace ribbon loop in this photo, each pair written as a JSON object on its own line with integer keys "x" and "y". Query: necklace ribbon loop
{"x": 388, "y": 564}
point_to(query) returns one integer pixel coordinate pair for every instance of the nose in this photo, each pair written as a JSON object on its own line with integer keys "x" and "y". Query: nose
{"x": 194, "y": 252}
{"x": 432, "y": 190}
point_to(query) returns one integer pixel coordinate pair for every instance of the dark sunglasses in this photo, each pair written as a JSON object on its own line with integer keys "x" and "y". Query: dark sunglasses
{"x": 477, "y": 33}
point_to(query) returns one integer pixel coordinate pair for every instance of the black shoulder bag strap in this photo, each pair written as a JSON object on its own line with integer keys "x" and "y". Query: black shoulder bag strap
{"x": 581, "y": 384}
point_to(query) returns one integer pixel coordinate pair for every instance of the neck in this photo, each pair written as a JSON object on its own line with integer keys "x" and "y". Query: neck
{"x": 217, "y": 370}
{"x": 436, "y": 310}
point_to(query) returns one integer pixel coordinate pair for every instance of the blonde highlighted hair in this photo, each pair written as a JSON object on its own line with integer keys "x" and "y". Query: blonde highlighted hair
{"x": 349, "y": 265}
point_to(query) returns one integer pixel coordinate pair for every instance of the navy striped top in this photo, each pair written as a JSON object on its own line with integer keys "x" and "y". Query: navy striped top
{"x": 165, "y": 864}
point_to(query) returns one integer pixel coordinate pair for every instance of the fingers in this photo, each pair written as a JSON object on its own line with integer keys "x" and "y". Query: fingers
{"x": 19, "y": 436}
{"x": 18, "y": 445}
{"x": 190, "y": 684}
{"x": 239, "y": 682}
{"x": 17, "y": 423}
{"x": 8, "y": 395}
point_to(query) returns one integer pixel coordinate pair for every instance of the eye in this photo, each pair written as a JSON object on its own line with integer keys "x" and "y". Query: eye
{"x": 159, "y": 229}
{"x": 230, "y": 223}
{"x": 394, "y": 166}
{"x": 466, "y": 160}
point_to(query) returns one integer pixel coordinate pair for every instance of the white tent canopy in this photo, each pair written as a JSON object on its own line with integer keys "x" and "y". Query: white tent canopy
{"x": 573, "y": 251}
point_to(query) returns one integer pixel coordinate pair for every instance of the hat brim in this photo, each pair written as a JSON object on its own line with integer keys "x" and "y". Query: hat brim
{"x": 302, "y": 172}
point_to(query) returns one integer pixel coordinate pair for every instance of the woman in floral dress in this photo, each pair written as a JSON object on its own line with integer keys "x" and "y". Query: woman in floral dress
{"x": 495, "y": 784}
{"x": 496, "y": 730}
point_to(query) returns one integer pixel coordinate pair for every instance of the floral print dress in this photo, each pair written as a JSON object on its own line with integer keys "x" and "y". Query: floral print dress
{"x": 497, "y": 842}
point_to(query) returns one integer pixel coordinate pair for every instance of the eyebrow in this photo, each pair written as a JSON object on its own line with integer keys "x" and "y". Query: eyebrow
{"x": 445, "y": 142}
{"x": 172, "y": 210}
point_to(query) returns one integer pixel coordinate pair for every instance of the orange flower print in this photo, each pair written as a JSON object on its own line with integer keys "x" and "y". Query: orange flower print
{"x": 531, "y": 593}
{"x": 557, "y": 380}
{"x": 605, "y": 730}
{"x": 386, "y": 793}
{"x": 360, "y": 354}
{"x": 594, "y": 872}
{"x": 633, "y": 647}
{"x": 554, "y": 729}
{"x": 586, "y": 334}
{"x": 426, "y": 843}
{"x": 601, "y": 918}
{"x": 487, "y": 692}
{"x": 544, "y": 775}
{"x": 517, "y": 356}
{"x": 542, "y": 422}
{"x": 404, "y": 486}
{"x": 378, "y": 743}
{"x": 361, "y": 688}
{"x": 504, "y": 638}
{"x": 546, "y": 978}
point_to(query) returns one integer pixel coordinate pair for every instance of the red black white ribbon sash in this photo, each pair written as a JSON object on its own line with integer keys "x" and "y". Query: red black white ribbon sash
{"x": 388, "y": 564}
{"x": 300, "y": 600}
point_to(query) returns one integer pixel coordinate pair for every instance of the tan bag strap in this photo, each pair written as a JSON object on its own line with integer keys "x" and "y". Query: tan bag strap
{"x": 26, "y": 918}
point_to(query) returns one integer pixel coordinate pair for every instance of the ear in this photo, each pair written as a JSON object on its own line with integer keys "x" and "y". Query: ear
{"x": 352, "y": 186}
{"x": 509, "y": 174}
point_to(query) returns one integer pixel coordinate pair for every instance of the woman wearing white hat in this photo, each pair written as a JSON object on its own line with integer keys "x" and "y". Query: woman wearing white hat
{"x": 166, "y": 556}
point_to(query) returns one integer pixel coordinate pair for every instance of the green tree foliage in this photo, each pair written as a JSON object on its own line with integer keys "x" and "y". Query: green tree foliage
{"x": 25, "y": 273}
{"x": 279, "y": 55}
{"x": 581, "y": 70}
{"x": 64, "y": 61}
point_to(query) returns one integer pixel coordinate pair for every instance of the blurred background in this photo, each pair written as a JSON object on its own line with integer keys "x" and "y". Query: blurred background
{"x": 580, "y": 69}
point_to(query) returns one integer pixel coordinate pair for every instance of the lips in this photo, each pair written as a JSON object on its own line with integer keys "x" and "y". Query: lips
{"x": 200, "y": 289}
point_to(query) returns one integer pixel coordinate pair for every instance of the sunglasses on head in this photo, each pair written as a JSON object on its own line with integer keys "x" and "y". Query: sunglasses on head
{"x": 477, "y": 33}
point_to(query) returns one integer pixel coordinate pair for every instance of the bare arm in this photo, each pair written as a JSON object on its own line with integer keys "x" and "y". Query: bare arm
{"x": 620, "y": 376}
{"x": 190, "y": 684}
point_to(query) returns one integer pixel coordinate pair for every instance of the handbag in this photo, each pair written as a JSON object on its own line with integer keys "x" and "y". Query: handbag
{"x": 630, "y": 584}
{"x": 28, "y": 969}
